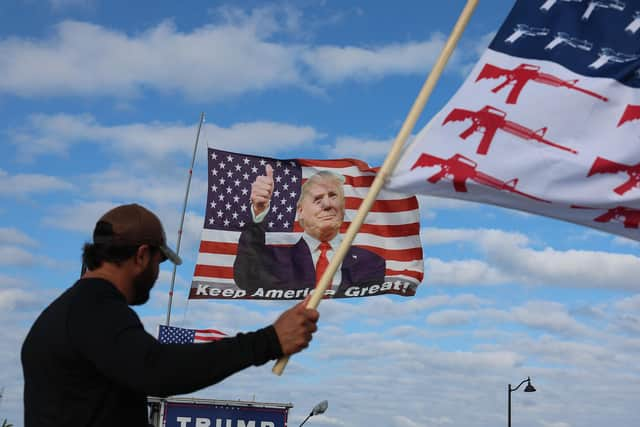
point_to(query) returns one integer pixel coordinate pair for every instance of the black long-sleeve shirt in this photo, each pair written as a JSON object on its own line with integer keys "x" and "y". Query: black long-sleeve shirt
{"x": 88, "y": 361}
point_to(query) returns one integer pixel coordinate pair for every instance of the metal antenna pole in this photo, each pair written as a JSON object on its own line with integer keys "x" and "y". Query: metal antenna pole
{"x": 184, "y": 210}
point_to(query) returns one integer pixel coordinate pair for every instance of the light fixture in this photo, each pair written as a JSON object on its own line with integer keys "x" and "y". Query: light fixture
{"x": 528, "y": 389}
{"x": 317, "y": 410}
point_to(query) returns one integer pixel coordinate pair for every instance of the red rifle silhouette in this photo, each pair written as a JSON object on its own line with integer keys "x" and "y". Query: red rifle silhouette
{"x": 523, "y": 74}
{"x": 630, "y": 217}
{"x": 602, "y": 165}
{"x": 632, "y": 112}
{"x": 491, "y": 119}
{"x": 460, "y": 169}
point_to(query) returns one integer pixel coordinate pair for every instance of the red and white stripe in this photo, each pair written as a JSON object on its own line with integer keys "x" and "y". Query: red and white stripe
{"x": 208, "y": 335}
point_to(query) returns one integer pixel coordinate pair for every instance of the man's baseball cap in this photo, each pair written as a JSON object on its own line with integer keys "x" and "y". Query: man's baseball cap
{"x": 133, "y": 225}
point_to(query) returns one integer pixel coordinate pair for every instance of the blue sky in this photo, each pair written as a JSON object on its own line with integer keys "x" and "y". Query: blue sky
{"x": 100, "y": 103}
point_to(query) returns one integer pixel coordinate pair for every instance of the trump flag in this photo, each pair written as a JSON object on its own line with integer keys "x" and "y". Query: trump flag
{"x": 278, "y": 255}
{"x": 547, "y": 122}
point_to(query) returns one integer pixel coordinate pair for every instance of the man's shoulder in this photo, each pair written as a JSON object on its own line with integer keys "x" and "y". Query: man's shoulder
{"x": 60, "y": 304}
{"x": 49, "y": 329}
{"x": 95, "y": 298}
{"x": 96, "y": 289}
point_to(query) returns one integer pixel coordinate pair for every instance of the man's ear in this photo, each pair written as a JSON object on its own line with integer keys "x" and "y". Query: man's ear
{"x": 143, "y": 255}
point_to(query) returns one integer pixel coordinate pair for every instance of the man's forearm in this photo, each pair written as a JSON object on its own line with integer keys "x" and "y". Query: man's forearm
{"x": 171, "y": 369}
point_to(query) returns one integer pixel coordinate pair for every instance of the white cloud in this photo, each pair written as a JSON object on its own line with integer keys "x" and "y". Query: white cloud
{"x": 554, "y": 424}
{"x": 482, "y": 237}
{"x": 263, "y": 138}
{"x": 449, "y": 318}
{"x": 149, "y": 143}
{"x": 581, "y": 355}
{"x": 336, "y": 64}
{"x": 9, "y": 282}
{"x": 13, "y": 255}
{"x": 155, "y": 189}
{"x": 24, "y": 184}
{"x": 382, "y": 309}
{"x": 572, "y": 268}
{"x": 77, "y": 216}
{"x": 361, "y": 347}
{"x": 550, "y": 316}
{"x": 324, "y": 420}
{"x": 429, "y": 205}
{"x": 623, "y": 241}
{"x": 627, "y": 317}
{"x": 509, "y": 260}
{"x": 265, "y": 20}
{"x": 359, "y": 148}
{"x": 16, "y": 237}
{"x": 630, "y": 304}
{"x": 86, "y": 59}
{"x": 10, "y": 299}
{"x": 472, "y": 361}
{"x": 236, "y": 55}
{"x": 463, "y": 272}
{"x": 403, "y": 421}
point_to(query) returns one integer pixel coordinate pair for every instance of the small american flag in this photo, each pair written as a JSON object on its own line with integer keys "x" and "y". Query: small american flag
{"x": 391, "y": 229}
{"x": 175, "y": 335}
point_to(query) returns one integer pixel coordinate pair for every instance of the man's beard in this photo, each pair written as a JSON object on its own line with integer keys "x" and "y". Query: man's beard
{"x": 143, "y": 283}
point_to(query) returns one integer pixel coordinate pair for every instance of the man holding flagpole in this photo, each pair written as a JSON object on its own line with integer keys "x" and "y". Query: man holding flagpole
{"x": 87, "y": 360}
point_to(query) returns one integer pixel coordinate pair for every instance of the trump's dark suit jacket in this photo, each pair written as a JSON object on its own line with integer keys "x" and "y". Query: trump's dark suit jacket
{"x": 259, "y": 265}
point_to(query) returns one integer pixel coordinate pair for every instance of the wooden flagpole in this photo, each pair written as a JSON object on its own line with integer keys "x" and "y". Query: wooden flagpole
{"x": 389, "y": 164}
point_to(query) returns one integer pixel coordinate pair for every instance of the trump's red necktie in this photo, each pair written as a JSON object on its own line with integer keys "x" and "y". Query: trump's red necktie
{"x": 323, "y": 260}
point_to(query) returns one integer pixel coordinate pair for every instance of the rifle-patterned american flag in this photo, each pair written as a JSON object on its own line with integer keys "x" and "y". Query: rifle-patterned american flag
{"x": 176, "y": 335}
{"x": 547, "y": 121}
{"x": 391, "y": 229}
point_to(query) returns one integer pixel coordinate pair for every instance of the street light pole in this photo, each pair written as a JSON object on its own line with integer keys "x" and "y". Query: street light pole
{"x": 305, "y": 420}
{"x": 509, "y": 408}
{"x": 528, "y": 389}
{"x": 317, "y": 410}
